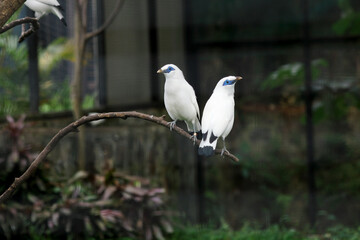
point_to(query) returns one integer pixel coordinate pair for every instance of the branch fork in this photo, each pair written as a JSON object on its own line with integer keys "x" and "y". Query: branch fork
{"x": 34, "y": 26}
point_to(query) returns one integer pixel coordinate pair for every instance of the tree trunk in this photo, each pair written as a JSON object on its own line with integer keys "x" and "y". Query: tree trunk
{"x": 80, "y": 39}
{"x": 8, "y": 8}
{"x": 76, "y": 85}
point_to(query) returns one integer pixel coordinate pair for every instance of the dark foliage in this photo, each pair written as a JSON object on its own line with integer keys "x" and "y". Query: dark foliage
{"x": 85, "y": 206}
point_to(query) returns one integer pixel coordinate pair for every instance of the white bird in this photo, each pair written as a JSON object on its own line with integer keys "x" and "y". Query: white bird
{"x": 180, "y": 100}
{"x": 218, "y": 116}
{"x": 42, "y": 7}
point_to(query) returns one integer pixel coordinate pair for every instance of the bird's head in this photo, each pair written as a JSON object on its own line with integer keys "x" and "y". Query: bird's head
{"x": 227, "y": 84}
{"x": 228, "y": 81}
{"x": 169, "y": 70}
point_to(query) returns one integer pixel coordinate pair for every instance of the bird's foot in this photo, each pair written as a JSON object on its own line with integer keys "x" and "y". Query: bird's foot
{"x": 194, "y": 137}
{"x": 172, "y": 125}
{"x": 224, "y": 150}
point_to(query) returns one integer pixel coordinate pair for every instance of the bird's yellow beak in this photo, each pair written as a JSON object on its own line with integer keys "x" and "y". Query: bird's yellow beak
{"x": 238, "y": 78}
{"x": 159, "y": 71}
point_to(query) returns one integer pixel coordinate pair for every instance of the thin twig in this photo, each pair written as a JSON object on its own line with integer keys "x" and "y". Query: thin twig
{"x": 73, "y": 127}
{"x": 108, "y": 21}
{"x": 32, "y": 21}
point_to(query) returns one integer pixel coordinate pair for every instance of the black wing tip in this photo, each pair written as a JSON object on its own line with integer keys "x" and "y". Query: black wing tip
{"x": 206, "y": 151}
{"x": 213, "y": 138}
{"x": 64, "y": 22}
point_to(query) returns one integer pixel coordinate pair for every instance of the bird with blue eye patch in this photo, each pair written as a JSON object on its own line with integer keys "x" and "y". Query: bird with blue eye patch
{"x": 169, "y": 69}
{"x": 180, "y": 99}
{"x": 43, "y": 7}
{"x": 229, "y": 82}
{"x": 218, "y": 116}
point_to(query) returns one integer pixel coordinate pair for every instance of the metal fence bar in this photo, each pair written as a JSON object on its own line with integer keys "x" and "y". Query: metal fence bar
{"x": 192, "y": 76}
{"x": 99, "y": 55}
{"x": 276, "y": 42}
{"x": 154, "y": 52}
{"x": 312, "y": 202}
{"x": 32, "y": 45}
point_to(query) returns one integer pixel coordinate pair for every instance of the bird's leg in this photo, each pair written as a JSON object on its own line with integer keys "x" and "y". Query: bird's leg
{"x": 194, "y": 136}
{"x": 224, "y": 148}
{"x": 172, "y": 124}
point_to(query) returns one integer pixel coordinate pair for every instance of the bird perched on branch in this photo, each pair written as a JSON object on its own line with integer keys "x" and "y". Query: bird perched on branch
{"x": 180, "y": 100}
{"x": 42, "y": 7}
{"x": 218, "y": 116}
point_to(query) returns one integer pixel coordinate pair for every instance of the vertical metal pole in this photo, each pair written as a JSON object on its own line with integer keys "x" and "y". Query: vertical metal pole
{"x": 99, "y": 49}
{"x": 190, "y": 49}
{"x": 200, "y": 180}
{"x": 32, "y": 45}
{"x": 192, "y": 77}
{"x": 153, "y": 44}
{"x": 312, "y": 202}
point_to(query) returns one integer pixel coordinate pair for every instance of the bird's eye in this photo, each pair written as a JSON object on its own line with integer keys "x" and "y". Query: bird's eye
{"x": 227, "y": 82}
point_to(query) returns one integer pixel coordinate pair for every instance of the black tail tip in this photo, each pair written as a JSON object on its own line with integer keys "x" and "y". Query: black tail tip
{"x": 206, "y": 151}
{"x": 64, "y": 22}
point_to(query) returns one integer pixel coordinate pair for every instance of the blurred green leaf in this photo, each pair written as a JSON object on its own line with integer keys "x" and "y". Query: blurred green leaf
{"x": 292, "y": 74}
{"x": 349, "y": 23}
{"x": 14, "y": 89}
{"x": 88, "y": 102}
{"x": 59, "y": 50}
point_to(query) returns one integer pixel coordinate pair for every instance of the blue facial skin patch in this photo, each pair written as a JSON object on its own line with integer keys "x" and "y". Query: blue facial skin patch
{"x": 169, "y": 69}
{"x": 229, "y": 82}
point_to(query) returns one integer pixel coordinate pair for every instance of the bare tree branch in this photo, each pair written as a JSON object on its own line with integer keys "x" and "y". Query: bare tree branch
{"x": 24, "y": 34}
{"x": 119, "y": 5}
{"x": 73, "y": 127}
